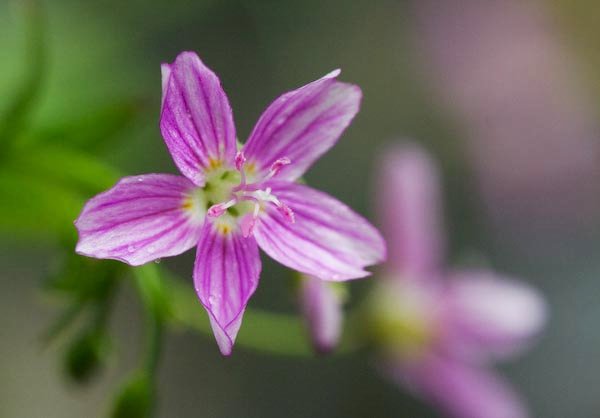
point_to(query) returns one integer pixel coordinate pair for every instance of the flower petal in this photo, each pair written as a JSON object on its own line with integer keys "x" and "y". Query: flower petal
{"x": 410, "y": 209}
{"x": 302, "y": 125}
{"x": 489, "y": 315}
{"x": 328, "y": 240}
{"x": 461, "y": 390}
{"x": 225, "y": 276}
{"x": 321, "y": 306}
{"x": 140, "y": 219}
{"x": 196, "y": 119}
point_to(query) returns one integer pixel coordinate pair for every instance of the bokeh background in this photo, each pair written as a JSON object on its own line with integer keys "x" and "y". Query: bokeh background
{"x": 505, "y": 94}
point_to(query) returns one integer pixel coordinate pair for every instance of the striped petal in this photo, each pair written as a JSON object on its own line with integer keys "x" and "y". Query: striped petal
{"x": 302, "y": 125}
{"x": 196, "y": 119}
{"x": 461, "y": 390}
{"x": 492, "y": 316}
{"x": 142, "y": 218}
{"x": 327, "y": 240}
{"x": 321, "y": 305}
{"x": 409, "y": 203}
{"x": 225, "y": 276}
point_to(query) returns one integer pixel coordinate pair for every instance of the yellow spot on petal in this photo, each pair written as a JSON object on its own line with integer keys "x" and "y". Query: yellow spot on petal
{"x": 213, "y": 164}
{"x": 250, "y": 168}
{"x": 225, "y": 226}
{"x": 187, "y": 204}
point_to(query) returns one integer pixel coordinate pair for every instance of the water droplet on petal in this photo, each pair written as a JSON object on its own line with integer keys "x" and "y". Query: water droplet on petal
{"x": 131, "y": 248}
{"x": 151, "y": 249}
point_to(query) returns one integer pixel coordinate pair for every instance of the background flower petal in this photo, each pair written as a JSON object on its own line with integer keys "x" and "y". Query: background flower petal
{"x": 140, "y": 219}
{"x": 328, "y": 239}
{"x": 461, "y": 390}
{"x": 410, "y": 209}
{"x": 321, "y": 306}
{"x": 196, "y": 119}
{"x": 226, "y": 275}
{"x": 302, "y": 125}
{"x": 492, "y": 315}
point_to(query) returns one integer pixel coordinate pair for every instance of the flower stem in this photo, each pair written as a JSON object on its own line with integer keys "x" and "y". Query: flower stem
{"x": 262, "y": 331}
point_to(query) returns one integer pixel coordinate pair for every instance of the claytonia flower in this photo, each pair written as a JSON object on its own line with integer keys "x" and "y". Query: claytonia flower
{"x": 440, "y": 329}
{"x": 321, "y": 304}
{"x": 230, "y": 202}
{"x": 532, "y": 129}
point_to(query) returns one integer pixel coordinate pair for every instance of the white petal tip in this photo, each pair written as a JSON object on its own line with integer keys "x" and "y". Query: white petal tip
{"x": 334, "y": 73}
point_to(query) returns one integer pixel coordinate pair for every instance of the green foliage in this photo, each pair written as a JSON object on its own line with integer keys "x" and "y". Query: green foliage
{"x": 31, "y": 206}
{"x": 86, "y": 355}
{"x": 135, "y": 399}
{"x": 93, "y": 131}
{"x": 19, "y": 109}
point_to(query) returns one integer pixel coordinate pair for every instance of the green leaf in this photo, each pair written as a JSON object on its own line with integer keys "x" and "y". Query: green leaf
{"x": 93, "y": 130}
{"x": 70, "y": 168}
{"x": 86, "y": 355}
{"x": 34, "y": 207}
{"x": 84, "y": 278}
{"x": 18, "y": 112}
{"x": 136, "y": 398}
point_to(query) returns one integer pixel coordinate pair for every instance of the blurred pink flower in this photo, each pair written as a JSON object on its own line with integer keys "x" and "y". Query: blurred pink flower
{"x": 532, "y": 132}
{"x": 440, "y": 329}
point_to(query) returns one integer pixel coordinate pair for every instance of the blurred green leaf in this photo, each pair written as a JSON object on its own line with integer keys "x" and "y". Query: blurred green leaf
{"x": 94, "y": 130}
{"x": 63, "y": 322}
{"x": 71, "y": 168}
{"x": 86, "y": 355}
{"x": 136, "y": 398}
{"x": 83, "y": 277}
{"x": 18, "y": 111}
{"x": 34, "y": 207}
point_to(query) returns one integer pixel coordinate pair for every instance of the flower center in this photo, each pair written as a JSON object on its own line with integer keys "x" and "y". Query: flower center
{"x": 238, "y": 198}
{"x": 404, "y": 319}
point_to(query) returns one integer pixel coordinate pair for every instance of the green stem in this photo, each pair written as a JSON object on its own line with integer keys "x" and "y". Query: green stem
{"x": 262, "y": 331}
{"x": 150, "y": 287}
{"x": 154, "y": 330}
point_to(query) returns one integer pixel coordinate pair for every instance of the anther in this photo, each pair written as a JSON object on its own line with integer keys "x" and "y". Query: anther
{"x": 277, "y": 166}
{"x": 287, "y": 213}
{"x": 217, "y": 210}
{"x": 240, "y": 159}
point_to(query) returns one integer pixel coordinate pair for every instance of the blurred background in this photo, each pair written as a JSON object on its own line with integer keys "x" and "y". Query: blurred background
{"x": 504, "y": 93}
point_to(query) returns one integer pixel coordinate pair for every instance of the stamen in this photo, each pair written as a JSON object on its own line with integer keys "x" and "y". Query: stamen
{"x": 287, "y": 213}
{"x": 248, "y": 222}
{"x": 276, "y": 167}
{"x": 217, "y": 210}
{"x": 240, "y": 159}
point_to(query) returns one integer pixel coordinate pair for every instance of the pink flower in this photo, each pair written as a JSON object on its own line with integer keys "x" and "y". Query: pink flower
{"x": 506, "y": 74}
{"x": 440, "y": 330}
{"x": 229, "y": 203}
